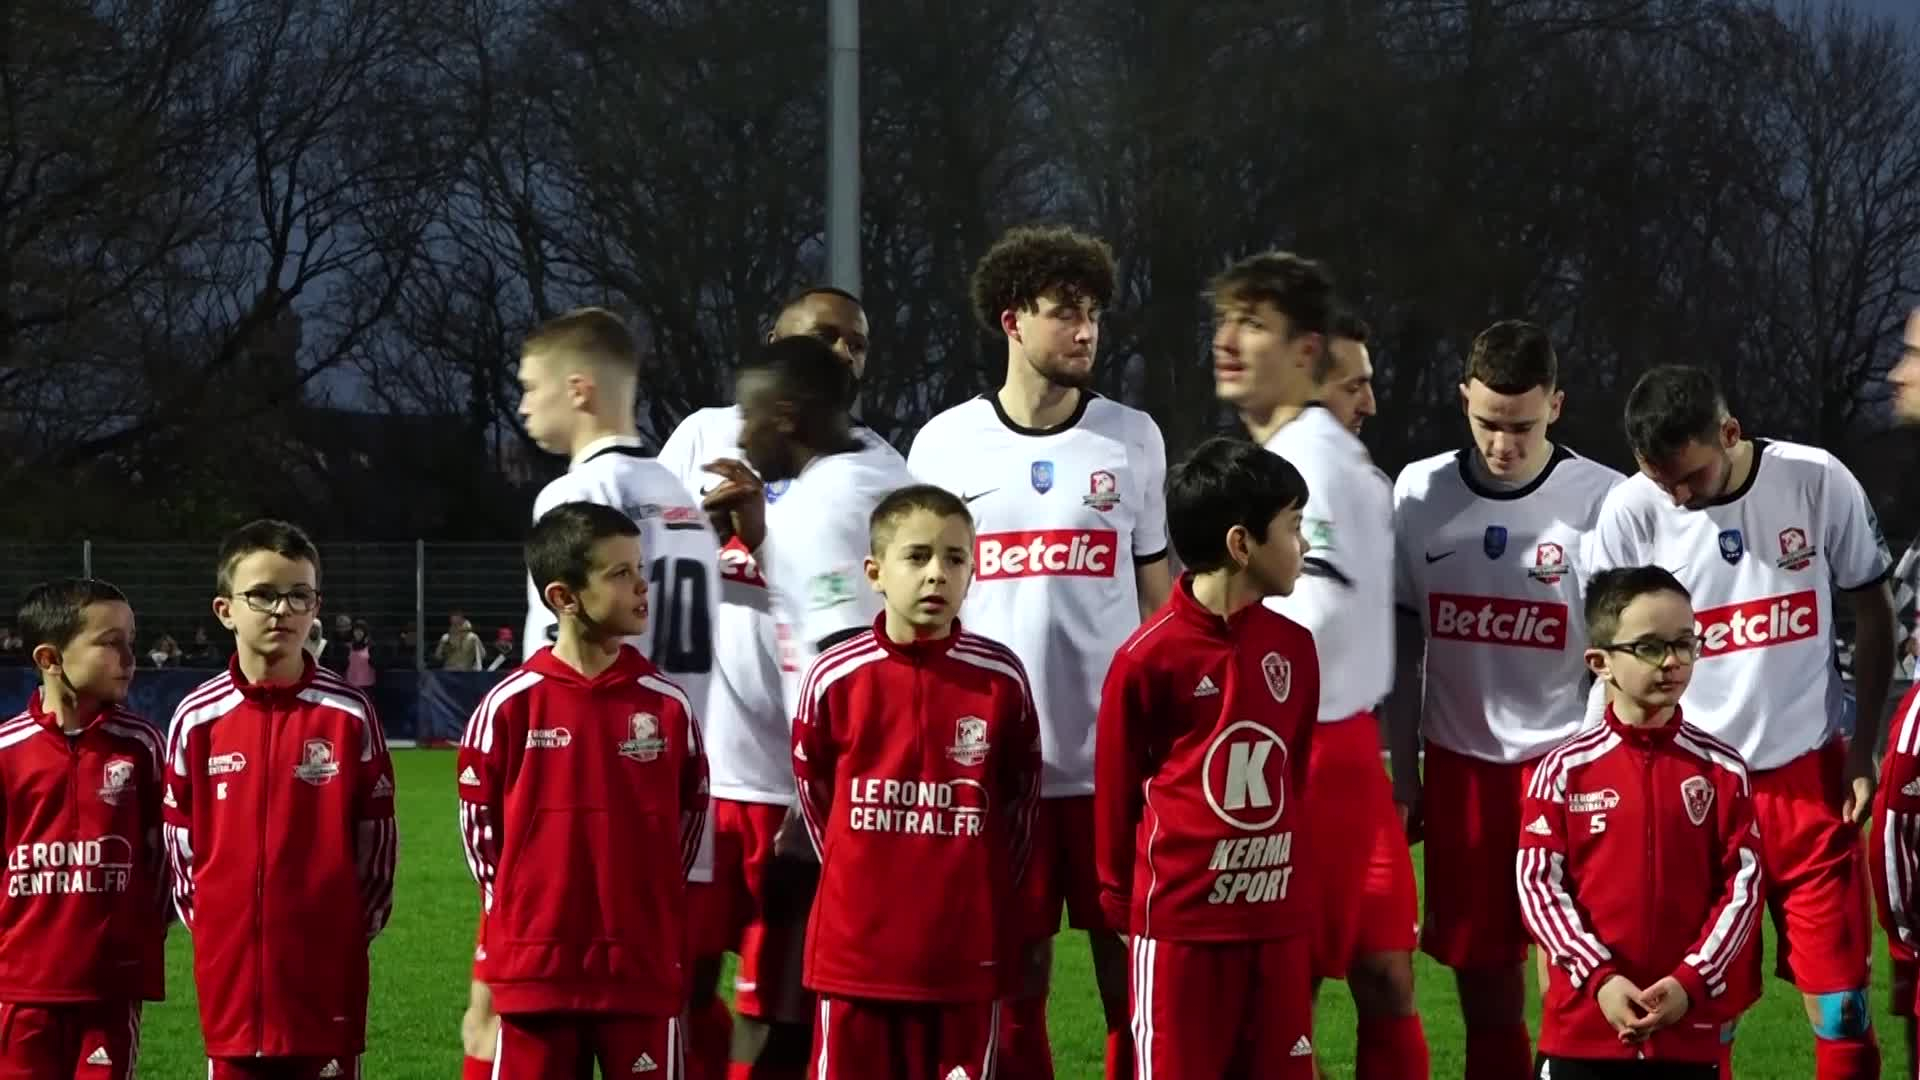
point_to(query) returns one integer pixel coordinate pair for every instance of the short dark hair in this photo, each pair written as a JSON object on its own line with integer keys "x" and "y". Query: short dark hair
{"x": 1347, "y": 323}
{"x": 53, "y": 612}
{"x": 1670, "y": 408}
{"x": 807, "y": 372}
{"x": 1610, "y": 591}
{"x": 1297, "y": 287}
{"x": 594, "y": 335}
{"x": 801, "y": 297}
{"x": 1512, "y": 357}
{"x": 1031, "y": 261}
{"x": 1223, "y": 483}
{"x": 893, "y": 509}
{"x": 560, "y": 545}
{"x": 283, "y": 538}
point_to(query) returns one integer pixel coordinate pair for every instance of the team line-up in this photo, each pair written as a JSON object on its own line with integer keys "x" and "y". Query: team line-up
{"x": 875, "y": 723}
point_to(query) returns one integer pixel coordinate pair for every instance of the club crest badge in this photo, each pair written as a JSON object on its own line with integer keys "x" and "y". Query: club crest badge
{"x": 1278, "y": 671}
{"x": 1494, "y": 543}
{"x": 1103, "y": 491}
{"x": 116, "y": 780}
{"x": 1042, "y": 476}
{"x": 970, "y": 744}
{"x": 644, "y": 741}
{"x": 317, "y": 765}
{"x": 776, "y": 489}
{"x": 1549, "y": 564}
{"x": 1697, "y": 794}
{"x": 1732, "y": 545}
{"x": 1795, "y": 552}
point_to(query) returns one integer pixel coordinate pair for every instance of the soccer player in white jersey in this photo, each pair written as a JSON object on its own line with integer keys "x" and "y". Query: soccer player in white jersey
{"x": 1281, "y": 346}
{"x": 1066, "y": 488}
{"x": 1486, "y": 575}
{"x": 1763, "y": 533}
{"x": 579, "y": 380}
{"x": 748, "y": 752}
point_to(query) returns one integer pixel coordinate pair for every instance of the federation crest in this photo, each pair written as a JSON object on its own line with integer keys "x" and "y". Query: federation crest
{"x": 317, "y": 765}
{"x": 1103, "y": 491}
{"x": 970, "y": 744}
{"x": 1549, "y": 564}
{"x": 116, "y": 780}
{"x": 1278, "y": 671}
{"x": 776, "y": 489}
{"x": 1732, "y": 545}
{"x": 1494, "y": 543}
{"x": 1697, "y": 794}
{"x": 644, "y": 741}
{"x": 1795, "y": 552}
{"x": 1042, "y": 476}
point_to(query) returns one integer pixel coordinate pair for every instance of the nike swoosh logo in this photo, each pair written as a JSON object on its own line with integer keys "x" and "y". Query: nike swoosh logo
{"x": 978, "y": 495}
{"x": 1431, "y": 559}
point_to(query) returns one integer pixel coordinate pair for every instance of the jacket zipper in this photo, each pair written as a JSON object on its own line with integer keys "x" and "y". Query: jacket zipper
{"x": 260, "y": 894}
{"x": 1651, "y": 884}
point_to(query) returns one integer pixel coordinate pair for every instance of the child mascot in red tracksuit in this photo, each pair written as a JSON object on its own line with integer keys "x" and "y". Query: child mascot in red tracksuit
{"x": 1639, "y": 865}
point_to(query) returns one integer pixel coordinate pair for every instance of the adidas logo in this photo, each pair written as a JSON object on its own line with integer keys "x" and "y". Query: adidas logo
{"x": 467, "y": 777}
{"x": 1912, "y": 788}
{"x": 958, "y": 1073}
{"x": 383, "y": 787}
{"x": 1539, "y": 827}
{"x": 332, "y": 1069}
{"x": 1206, "y": 687}
{"x": 643, "y": 1063}
{"x": 99, "y": 1057}
{"x": 1302, "y": 1047}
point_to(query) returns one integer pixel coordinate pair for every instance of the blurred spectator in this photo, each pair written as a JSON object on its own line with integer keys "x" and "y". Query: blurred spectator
{"x": 406, "y": 647}
{"x": 1909, "y": 651}
{"x": 460, "y": 649}
{"x": 13, "y": 651}
{"x": 316, "y": 642}
{"x": 504, "y": 654}
{"x": 357, "y": 659}
{"x": 165, "y": 652}
{"x": 200, "y": 653}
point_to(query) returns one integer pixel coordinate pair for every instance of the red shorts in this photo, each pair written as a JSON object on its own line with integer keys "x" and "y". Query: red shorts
{"x": 1229, "y": 1009}
{"x": 296, "y": 1068}
{"x": 1357, "y": 859}
{"x": 728, "y": 915}
{"x": 1472, "y": 812}
{"x": 96, "y": 1040}
{"x": 1060, "y": 869}
{"x": 1816, "y": 877}
{"x": 858, "y": 1039}
{"x": 541, "y": 1046}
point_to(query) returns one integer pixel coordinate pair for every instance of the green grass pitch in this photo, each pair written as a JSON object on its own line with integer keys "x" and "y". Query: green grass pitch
{"x": 420, "y": 975}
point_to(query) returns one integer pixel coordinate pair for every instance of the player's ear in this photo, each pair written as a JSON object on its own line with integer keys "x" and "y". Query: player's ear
{"x": 558, "y": 597}
{"x": 223, "y": 610}
{"x": 1010, "y": 323}
{"x": 1239, "y": 544}
{"x": 1729, "y": 432}
{"x": 45, "y": 657}
{"x": 873, "y": 573}
{"x": 1596, "y": 662}
{"x": 1554, "y": 401}
{"x": 1463, "y": 401}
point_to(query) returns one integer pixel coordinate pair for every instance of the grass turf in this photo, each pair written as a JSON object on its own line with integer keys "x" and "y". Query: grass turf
{"x": 420, "y": 970}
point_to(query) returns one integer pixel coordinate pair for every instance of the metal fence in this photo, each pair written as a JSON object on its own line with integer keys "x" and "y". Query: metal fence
{"x": 392, "y": 586}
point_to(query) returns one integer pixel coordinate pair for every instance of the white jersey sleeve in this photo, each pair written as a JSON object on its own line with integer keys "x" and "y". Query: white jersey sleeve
{"x": 1859, "y": 555}
{"x": 1495, "y": 577}
{"x": 1150, "y": 526}
{"x": 1345, "y": 594}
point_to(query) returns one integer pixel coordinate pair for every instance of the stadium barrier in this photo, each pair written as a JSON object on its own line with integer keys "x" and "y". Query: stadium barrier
{"x": 417, "y": 708}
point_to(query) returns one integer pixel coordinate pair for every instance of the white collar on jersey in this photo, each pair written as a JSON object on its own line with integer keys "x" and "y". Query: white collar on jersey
{"x": 603, "y": 443}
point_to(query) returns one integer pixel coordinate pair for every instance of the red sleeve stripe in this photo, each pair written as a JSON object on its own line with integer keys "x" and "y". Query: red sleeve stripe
{"x": 346, "y": 699}
{"x": 1734, "y": 927}
{"x": 18, "y": 730}
{"x": 379, "y": 850}
{"x": 1549, "y": 777}
{"x": 211, "y": 700}
{"x": 1907, "y": 739}
{"x": 133, "y": 731}
{"x": 479, "y": 733}
{"x": 1550, "y": 912}
{"x": 1900, "y": 848}
{"x": 180, "y": 855}
{"x": 1147, "y": 630}
{"x": 828, "y": 665}
{"x": 478, "y": 838}
{"x": 1713, "y": 752}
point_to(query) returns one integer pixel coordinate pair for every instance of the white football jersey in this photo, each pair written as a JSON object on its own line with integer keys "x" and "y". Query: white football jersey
{"x": 1063, "y": 517}
{"x": 1345, "y": 595}
{"x": 1495, "y": 578}
{"x": 816, "y": 549}
{"x": 1762, "y": 564}
{"x": 749, "y": 752}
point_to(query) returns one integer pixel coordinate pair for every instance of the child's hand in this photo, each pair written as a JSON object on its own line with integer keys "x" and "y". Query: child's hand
{"x": 1620, "y": 1003}
{"x": 1665, "y": 1001}
{"x": 479, "y": 1026}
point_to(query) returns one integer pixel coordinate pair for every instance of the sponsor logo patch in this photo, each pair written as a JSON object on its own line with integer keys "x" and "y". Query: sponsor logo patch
{"x": 1046, "y": 553}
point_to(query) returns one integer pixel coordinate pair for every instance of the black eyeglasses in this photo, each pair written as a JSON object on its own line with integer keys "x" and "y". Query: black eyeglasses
{"x": 300, "y": 600}
{"x": 1654, "y": 652}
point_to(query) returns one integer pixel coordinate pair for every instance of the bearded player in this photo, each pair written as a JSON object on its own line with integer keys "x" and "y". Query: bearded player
{"x": 1066, "y": 488}
{"x": 1491, "y": 599}
{"x": 1282, "y": 346}
{"x": 1767, "y": 535}
{"x": 747, "y": 733}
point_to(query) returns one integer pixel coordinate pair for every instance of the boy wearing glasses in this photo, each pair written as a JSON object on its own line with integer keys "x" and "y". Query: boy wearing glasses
{"x": 1643, "y": 806}
{"x": 279, "y": 823}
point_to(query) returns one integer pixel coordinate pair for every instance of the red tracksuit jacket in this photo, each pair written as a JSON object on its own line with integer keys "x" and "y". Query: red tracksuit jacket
{"x": 917, "y": 768}
{"x": 1894, "y": 851}
{"x": 279, "y": 821}
{"x": 1200, "y": 761}
{"x": 1639, "y": 856}
{"x": 581, "y": 807}
{"x": 85, "y": 914}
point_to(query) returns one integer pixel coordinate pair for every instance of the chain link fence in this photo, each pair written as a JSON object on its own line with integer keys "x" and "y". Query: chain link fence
{"x": 394, "y": 587}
